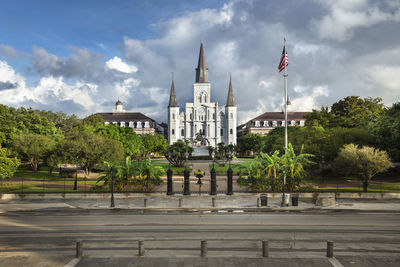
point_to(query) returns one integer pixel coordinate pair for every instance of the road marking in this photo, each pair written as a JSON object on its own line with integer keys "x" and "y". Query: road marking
{"x": 335, "y": 262}
{"x": 73, "y": 262}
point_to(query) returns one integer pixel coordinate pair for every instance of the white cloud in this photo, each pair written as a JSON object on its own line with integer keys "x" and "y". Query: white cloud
{"x": 117, "y": 64}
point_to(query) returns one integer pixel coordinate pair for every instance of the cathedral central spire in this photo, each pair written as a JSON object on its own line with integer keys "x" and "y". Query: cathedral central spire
{"x": 201, "y": 70}
{"x": 172, "y": 98}
{"x": 230, "y": 101}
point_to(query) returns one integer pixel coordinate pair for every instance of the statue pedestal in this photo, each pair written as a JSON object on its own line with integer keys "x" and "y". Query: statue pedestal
{"x": 200, "y": 151}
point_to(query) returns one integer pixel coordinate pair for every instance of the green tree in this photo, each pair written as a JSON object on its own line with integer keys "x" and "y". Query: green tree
{"x": 364, "y": 162}
{"x": 88, "y": 149}
{"x": 154, "y": 143}
{"x": 35, "y": 148}
{"x": 175, "y": 152}
{"x": 8, "y": 164}
{"x": 251, "y": 143}
{"x": 386, "y": 131}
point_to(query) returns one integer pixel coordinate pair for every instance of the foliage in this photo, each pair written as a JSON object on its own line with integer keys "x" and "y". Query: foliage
{"x": 175, "y": 153}
{"x": 132, "y": 175}
{"x": 251, "y": 143}
{"x": 364, "y": 162}
{"x": 8, "y": 165}
{"x": 89, "y": 149}
{"x": 35, "y": 148}
{"x": 154, "y": 143}
{"x": 386, "y": 131}
{"x": 268, "y": 171}
{"x": 350, "y": 112}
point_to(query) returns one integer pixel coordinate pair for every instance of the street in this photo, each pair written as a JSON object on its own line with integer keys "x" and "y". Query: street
{"x": 49, "y": 236}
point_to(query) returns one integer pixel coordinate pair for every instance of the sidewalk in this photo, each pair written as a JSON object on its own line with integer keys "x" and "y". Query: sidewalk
{"x": 241, "y": 202}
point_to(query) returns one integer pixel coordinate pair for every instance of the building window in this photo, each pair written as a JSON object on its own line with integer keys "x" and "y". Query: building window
{"x": 146, "y": 124}
{"x": 293, "y": 123}
{"x": 115, "y": 123}
{"x": 208, "y": 114}
{"x": 173, "y": 131}
{"x": 122, "y": 124}
{"x": 231, "y": 130}
{"x": 106, "y": 123}
{"x": 173, "y": 116}
{"x": 283, "y": 123}
{"x": 138, "y": 124}
{"x": 131, "y": 124}
{"x": 200, "y": 99}
{"x": 182, "y": 132}
{"x": 231, "y": 115}
{"x": 208, "y": 130}
{"x": 256, "y": 123}
{"x": 274, "y": 123}
{"x": 191, "y": 116}
{"x": 301, "y": 123}
{"x": 222, "y": 132}
{"x": 266, "y": 124}
{"x": 213, "y": 116}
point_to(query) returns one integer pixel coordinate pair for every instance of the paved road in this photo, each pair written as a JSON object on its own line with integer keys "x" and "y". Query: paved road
{"x": 110, "y": 237}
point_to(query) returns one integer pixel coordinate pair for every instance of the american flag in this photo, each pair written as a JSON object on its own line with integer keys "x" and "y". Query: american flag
{"x": 284, "y": 60}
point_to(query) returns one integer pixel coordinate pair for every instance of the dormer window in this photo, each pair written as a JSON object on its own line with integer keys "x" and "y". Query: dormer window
{"x": 131, "y": 124}
{"x": 293, "y": 123}
{"x": 138, "y": 124}
{"x": 266, "y": 124}
{"x": 122, "y": 124}
{"x": 146, "y": 124}
{"x": 274, "y": 123}
{"x": 257, "y": 123}
{"x": 301, "y": 123}
{"x": 106, "y": 123}
{"x": 283, "y": 123}
{"x": 115, "y": 123}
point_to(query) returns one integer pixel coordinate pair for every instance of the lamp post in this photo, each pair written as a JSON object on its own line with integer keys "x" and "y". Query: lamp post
{"x": 186, "y": 179}
{"x": 230, "y": 175}
{"x": 213, "y": 181}
{"x": 112, "y": 188}
{"x": 284, "y": 203}
{"x": 169, "y": 176}
{"x": 76, "y": 175}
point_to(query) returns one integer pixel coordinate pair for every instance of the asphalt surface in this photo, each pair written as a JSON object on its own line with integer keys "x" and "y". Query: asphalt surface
{"x": 47, "y": 237}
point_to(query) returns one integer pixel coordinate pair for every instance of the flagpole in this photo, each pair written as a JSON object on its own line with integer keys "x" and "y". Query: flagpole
{"x": 286, "y": 133}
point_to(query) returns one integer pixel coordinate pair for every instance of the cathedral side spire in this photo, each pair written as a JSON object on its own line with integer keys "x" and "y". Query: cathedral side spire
{"x": 201, "y": 70}
{"x": 230, "y": 101}
{"x": 172, "y": 98}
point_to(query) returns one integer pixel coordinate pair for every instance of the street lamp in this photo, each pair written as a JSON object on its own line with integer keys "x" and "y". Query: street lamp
{"x": 76, "y": 175}
{"x": 112, "y": 188}
{"x": 284, "y": 204}
{"x": 213, "y": 181}
{"x": 169, "y": 175}
{"x": 186, "y": 174}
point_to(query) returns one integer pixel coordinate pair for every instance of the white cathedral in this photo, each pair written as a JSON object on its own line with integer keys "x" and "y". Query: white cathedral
{"x": 203, "y": 123}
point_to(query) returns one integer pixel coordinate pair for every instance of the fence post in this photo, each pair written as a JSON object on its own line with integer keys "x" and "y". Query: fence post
{"x": 229, "y": 182}
{"x": 329, "y": 249}
{"x": 186, "y": 182}
{"x": 79, "y": 249}
{"x": 203, "y": 248}
{"x": 265, "y": 249}
{"x": 213, "y": 182}
{"x": 169, "y": 182}
{"x": 141, "y": 248}
{"x": 214, "y": 202}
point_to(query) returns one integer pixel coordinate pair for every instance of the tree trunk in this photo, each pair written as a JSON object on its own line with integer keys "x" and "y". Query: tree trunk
{"x": 365, "y": 185}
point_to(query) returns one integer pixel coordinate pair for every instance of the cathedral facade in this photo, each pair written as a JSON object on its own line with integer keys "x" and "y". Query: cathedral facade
{"x": 203, "y": 123}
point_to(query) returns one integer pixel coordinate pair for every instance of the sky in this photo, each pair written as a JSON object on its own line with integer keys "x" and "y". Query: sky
{"x": 80, "y": 57}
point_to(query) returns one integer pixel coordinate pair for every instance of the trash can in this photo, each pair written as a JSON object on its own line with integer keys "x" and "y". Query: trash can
{"x": 295, "y": 201}
{"x": 264, "y": 200}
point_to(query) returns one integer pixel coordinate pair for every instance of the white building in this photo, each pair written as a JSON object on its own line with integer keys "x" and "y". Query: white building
{"x": 203, "y": 122}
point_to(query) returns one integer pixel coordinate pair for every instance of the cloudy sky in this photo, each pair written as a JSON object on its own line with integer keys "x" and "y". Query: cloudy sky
{"x": 79, "y": 57}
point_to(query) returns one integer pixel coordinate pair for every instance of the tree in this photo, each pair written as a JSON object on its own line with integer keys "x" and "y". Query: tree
{"x": 175, "y": 153}
{"x": 34, "y": 148}
{"x": 364, "y": 162}
{"x": 386, "y": 131}
{"x": 88, "y": 149}
{"x": 154, "y": 143}
{"x": 8, "y": 165}
{"x": 251, "y": 143}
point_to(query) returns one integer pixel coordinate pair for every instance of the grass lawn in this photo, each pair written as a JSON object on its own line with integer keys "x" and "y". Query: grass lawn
{"x": 235, "y": 167}
{"x": 176, "y": 170}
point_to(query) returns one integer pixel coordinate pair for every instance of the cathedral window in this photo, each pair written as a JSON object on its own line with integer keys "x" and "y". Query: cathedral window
{"x": 122, "y": 124}
{"x": 146, "y": 124}
{"x": 191, "y": 116}
{"x": 301, "y": 123}
{"x": 208, "y": 114}
{"x": 208, "y": 129}
{"x": 173, "y": 116}
{"x": 131, "y": 124}
{"x": 182, "y": 132}
{"x": 222, "y": 132}
{"x": 173, "y": 132}
{"x": 231, "y": 131}
{"x": 200, "y": 99}
{"x": 213, "y": 116}
{"x": 231, "y": 115}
